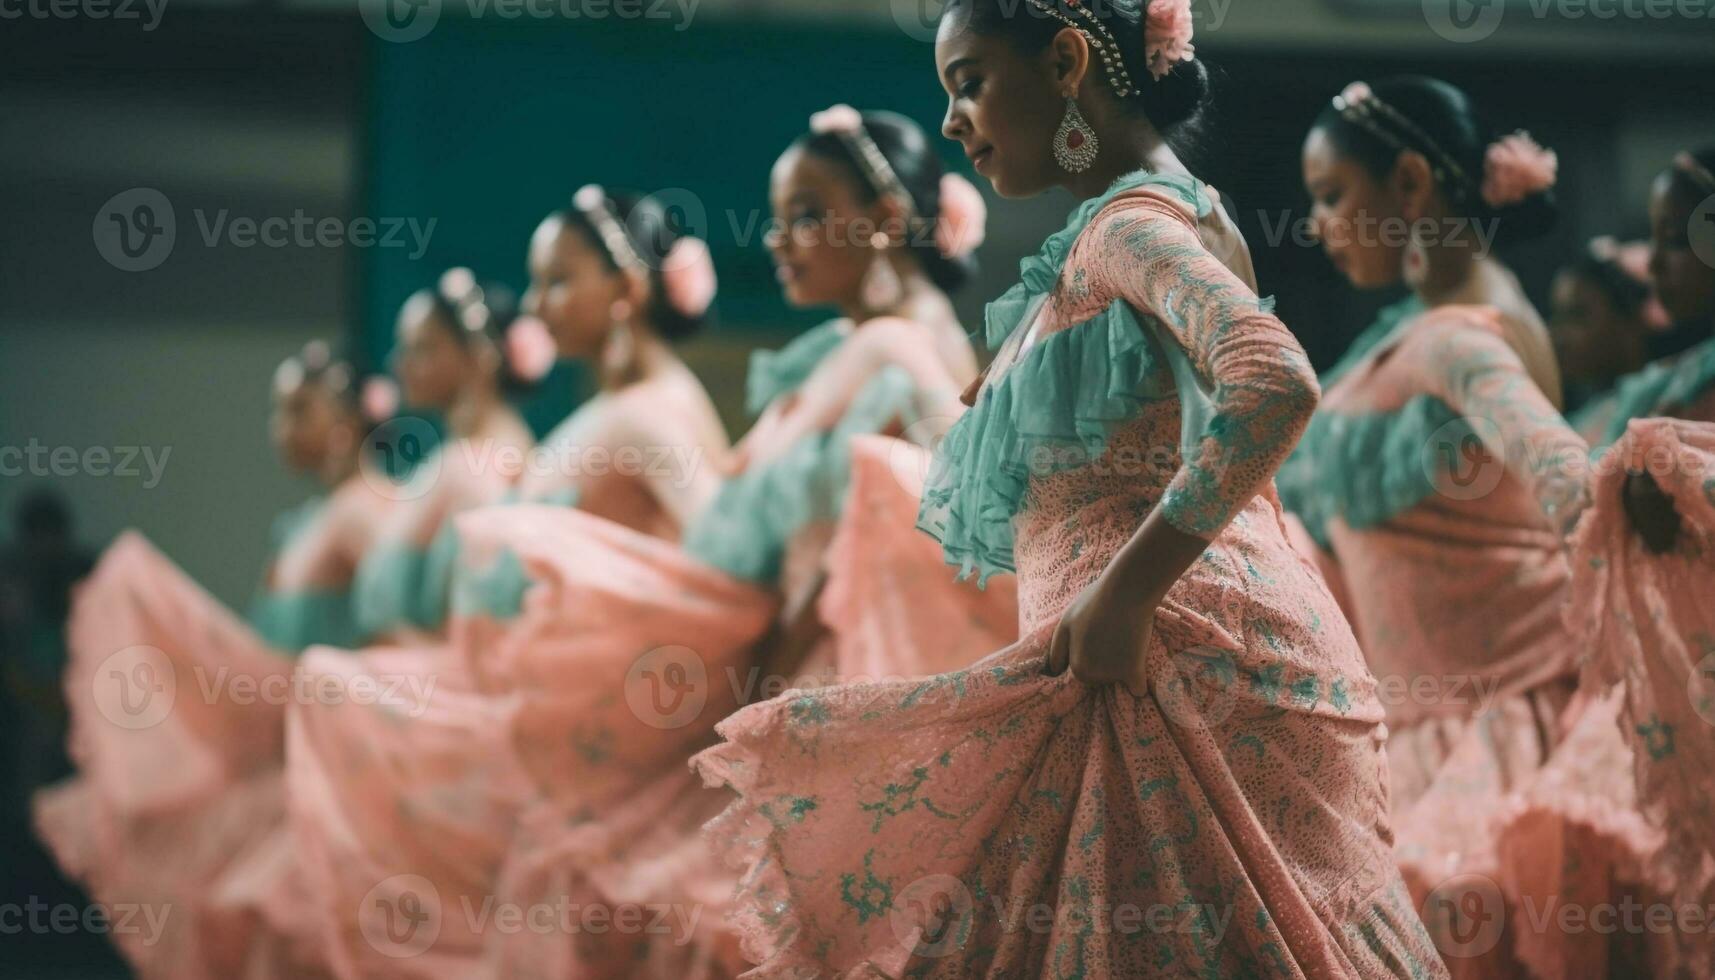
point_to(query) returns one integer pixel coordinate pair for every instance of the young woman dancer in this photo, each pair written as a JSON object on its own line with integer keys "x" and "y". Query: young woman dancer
{"x": 1617, "y": 823}
{"x": 1179, "y": 769}
{"x": 433, "y": 792}
{"x": 867, "y": 222}
{"x": 1602, "y": 314}
{"x": 1441, "y": 460}
{"x": 459, "y": 352}
{"x": 165, "y": 792}
{"x": 1683, "y": 385}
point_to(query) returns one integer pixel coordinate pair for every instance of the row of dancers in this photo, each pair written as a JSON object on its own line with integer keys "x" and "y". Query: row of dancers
{"x": 726, "y": 710}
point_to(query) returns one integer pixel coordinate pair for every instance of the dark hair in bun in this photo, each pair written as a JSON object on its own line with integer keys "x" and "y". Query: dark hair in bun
{"x": 1174, "y": 103}
{"x": 1694, "y": 171}
{"x": 1438, "y": 120}
{"x": 316, "y": 366}
{"x": 919, "y": 169}
{"x": 472, "y": 310}
{"x": 650, "y": 232}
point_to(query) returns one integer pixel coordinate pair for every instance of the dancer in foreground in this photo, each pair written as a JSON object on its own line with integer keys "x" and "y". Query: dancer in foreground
{"x": 1179, "y": 769}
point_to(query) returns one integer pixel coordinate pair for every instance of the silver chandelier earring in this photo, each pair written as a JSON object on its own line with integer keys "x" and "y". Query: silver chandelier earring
{"x": 1075, "y": 143}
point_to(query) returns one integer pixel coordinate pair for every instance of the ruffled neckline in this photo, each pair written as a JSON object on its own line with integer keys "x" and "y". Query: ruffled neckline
{"x": 1038, "y": 273}
{"x": 1660, "y": 386}
{"x": 777, "y": 372}
{"x": 1051, "y": 409}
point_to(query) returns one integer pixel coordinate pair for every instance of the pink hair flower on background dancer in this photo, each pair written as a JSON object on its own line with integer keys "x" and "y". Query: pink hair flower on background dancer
{"x": 1515, "y": 167}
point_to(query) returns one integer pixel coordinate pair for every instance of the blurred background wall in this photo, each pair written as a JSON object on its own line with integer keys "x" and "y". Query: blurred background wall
{"x": 234, "y": 109}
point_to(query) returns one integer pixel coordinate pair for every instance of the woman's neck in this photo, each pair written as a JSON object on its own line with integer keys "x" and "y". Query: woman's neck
{"x": 632, "y": 354}
{"x": 919, "y": 299}
{"x": 472, "y": 411}
{"x": 337, "y": 470}
{"x": 1127, "y": 146}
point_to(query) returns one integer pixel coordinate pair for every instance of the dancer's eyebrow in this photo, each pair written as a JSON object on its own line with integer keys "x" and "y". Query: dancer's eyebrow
{"x": 955, "y": 65}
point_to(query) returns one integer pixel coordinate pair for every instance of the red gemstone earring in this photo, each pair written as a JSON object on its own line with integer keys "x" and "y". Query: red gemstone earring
{"x": 1075, "y": 143}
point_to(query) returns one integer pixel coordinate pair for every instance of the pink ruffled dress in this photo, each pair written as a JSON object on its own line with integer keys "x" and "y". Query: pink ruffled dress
{"x": 177, "y": 710}
{"x": 399, "y": 803}
{"x": 995, "y": 821}
{"x": 624, "y": 659}
{"x": 498, "y": 827}
{"x": 1609, "y": 849}
{"x": 1445, "y": 486}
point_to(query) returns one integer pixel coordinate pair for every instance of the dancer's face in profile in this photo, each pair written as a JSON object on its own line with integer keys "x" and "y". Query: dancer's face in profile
{"x": 573, "y": 289}
{"x": 1003, "y": 107}
{"x": 306, "y": 422}
{"x": 1590, "y": 335}
{"x": 1684, "y": 283}
{"x": 1349, "y": 211}
{"x": 822, "y": 229}
{"x": 432, "y": 365}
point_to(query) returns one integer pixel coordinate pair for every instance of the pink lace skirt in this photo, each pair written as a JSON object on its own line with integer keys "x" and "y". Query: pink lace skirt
{"x": 996, "y": 821}
{"x": 892, "y": 609}
{"x": 1611, "y": 845}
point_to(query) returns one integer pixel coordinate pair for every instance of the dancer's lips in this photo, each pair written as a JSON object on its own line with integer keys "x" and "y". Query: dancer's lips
{"x": 981, "y": 157}
{"x": 785, "y": 273}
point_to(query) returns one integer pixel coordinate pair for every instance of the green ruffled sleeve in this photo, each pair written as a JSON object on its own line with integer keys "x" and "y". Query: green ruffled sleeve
{"x": 497, "y": 589}
{"x": 293, "y": 621}
{"x": 388, "y": 591}
{"x": 774, "y": 373}
{"x": 745, "y": 531}
{"x": 1658, "y": 389}
{"x": 1051, "y": 411}
{"x": 1305, "y": 481}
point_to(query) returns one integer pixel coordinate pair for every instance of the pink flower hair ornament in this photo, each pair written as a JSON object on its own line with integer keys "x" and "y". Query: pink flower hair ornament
{"x": 688, "y": 281}
{"x": 1515, "y": 167}
{"x": 1167, "y": 28}
{"x": 530, "y": 349}
{"x": 964, "y": 218}
{"x": 379, "y": 399}
{"x": 840, "y": 118}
